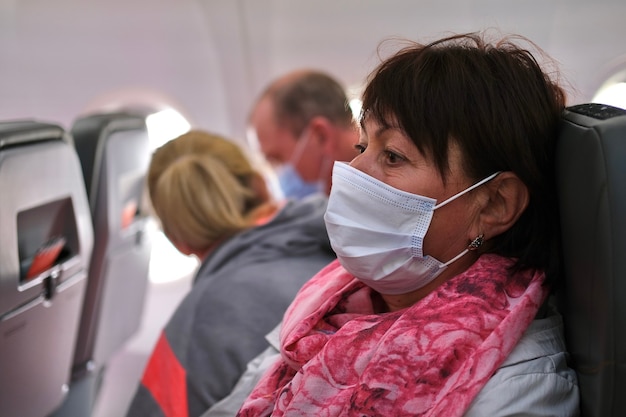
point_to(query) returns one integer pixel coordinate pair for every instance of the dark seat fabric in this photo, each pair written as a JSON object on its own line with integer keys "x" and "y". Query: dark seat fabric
{"x": 591, "y": 178}
{"x": 114, "y": 152}
{"x": 46, "y": 238}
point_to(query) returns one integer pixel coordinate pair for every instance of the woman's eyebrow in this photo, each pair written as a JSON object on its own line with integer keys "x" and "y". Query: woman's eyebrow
{"x": 379, "y": 131}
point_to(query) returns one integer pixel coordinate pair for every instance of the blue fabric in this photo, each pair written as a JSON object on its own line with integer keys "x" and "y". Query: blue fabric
{"x": 293, "y": 186}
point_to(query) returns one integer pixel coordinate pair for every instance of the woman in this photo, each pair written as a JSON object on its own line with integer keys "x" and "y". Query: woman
{"x": 255, "y": 254}
{"x": 445, "y": 229}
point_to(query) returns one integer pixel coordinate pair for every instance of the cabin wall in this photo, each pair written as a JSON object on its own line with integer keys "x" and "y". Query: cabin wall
{"x": 210, "y": 58}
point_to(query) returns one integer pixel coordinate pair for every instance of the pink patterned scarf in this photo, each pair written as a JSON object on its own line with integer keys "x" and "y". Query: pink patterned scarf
{"x": 430, "y": 359}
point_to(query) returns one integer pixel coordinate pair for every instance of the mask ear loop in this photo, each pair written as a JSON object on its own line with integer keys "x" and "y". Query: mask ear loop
{"x": 460, "y": 255}
{"x": 304, "y": 138}
{"x": 327, "y": 162}
{"x": 300, "y": 146}
{"x": 475, "y": 244}
{"x": 467, "y": 190}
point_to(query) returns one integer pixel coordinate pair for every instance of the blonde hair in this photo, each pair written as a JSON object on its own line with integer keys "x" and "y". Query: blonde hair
{"x": 202, "y": 188}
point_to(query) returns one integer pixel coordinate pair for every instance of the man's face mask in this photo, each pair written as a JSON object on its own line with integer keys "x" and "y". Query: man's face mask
{"x": 291, "y": 182}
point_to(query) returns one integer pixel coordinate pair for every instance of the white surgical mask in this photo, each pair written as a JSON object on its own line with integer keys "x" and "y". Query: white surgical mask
{"x": 291, "y": 182}
{"x": 377, "y": 231}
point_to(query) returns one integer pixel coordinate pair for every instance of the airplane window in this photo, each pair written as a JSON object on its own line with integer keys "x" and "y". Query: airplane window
{"x": 167, "y": 264}
{"x": 164, "y": 126}
{"x": 613, "y": 95}
{"x": 354, "y": 93}
{"x": 355, "y": 106}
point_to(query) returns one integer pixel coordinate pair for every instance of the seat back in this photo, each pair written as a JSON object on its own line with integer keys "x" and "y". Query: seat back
{"x": 46, "y": 240}
{"x": 591, "y": 178}
{"x": 114, "y": 153}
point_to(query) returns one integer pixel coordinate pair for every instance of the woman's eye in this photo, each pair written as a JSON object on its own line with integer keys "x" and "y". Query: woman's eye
{"x": 359, "y": 148}
{"x": 392, "y": 157}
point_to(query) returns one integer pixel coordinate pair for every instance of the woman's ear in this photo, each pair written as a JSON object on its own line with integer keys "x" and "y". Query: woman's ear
{"x": 507, "y": 198}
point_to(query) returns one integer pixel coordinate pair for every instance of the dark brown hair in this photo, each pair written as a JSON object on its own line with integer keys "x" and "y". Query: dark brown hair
{"x": 494, "y": 101}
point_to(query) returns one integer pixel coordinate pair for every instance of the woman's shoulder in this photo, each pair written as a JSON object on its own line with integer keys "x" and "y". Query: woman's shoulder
{"x": 535, "y": 376}
{"x": 543, "y": 338}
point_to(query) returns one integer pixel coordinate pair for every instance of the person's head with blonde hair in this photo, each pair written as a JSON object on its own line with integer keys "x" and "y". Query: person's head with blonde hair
{"x": 203, "y": 189}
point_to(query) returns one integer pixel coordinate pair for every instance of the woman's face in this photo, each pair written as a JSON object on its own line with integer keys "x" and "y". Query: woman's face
{"x": 388, "y": 155}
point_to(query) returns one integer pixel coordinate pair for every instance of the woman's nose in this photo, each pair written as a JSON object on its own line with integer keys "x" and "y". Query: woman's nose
{"x": 362, "y": 162}
{"x": 357, "y": 162}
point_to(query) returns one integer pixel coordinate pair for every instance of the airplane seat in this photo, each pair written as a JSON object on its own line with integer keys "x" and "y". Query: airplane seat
{"x": 591, "y": 179}
{"x": 114, "y": 152}
{"x": 46, "y": 239}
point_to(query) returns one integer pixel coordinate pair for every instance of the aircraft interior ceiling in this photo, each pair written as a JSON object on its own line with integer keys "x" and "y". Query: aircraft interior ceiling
{"x": 209, "y": 58}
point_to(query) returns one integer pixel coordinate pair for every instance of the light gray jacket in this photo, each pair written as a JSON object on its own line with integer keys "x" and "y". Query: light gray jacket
{"x": 239, "y": 294}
